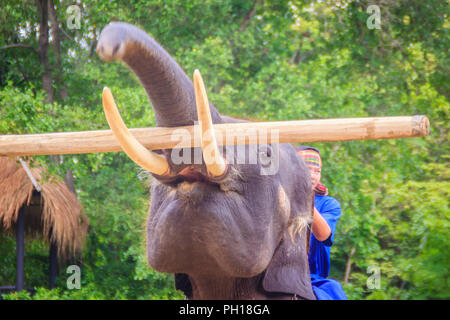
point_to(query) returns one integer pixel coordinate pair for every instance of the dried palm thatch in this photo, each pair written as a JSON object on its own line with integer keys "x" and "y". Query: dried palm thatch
{"x": 54, "y": 213}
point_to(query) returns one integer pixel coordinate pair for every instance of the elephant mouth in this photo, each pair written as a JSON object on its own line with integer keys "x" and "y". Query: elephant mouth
{"x": 190, "y": 176}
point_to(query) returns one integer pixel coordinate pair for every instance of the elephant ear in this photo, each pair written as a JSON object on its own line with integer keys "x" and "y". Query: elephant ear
{"x": 183, "y": 283}
{"x": 288, "y": 271}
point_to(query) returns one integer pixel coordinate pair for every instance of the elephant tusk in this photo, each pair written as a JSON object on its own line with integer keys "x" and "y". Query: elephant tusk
{"x": 214, "y": 161}
{"x": 146, "y": 159}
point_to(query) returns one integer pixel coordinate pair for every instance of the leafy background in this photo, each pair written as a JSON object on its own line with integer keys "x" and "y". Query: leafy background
{"x": 261, "y": 60}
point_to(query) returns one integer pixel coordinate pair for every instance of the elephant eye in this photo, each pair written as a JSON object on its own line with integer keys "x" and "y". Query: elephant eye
{"x": 265, "y": 151}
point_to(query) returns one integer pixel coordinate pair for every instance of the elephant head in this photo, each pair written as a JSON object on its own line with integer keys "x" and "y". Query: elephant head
{"x": 226, "y": 230}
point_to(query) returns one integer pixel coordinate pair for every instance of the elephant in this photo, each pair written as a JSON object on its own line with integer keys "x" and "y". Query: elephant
{"x": 225, "y": 232}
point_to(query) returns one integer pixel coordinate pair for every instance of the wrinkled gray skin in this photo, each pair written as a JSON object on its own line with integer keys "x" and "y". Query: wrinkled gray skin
{"x": 224, "y": 238}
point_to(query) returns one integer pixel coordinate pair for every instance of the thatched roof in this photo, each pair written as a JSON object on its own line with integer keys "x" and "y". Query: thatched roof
{"x": 53, "y": 213}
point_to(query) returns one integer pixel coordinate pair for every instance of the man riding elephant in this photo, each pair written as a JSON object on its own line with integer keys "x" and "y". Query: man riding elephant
{"x": 327, "y": 212}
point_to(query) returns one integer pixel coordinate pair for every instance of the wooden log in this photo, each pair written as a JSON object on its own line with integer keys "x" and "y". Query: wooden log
{"x": 324, "y": 130}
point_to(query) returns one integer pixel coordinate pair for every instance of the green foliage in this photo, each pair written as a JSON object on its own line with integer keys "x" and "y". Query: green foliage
{"x": 264, "y": 60}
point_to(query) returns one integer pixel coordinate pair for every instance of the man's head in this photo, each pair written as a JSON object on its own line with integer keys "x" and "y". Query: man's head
{"x": 312, "y": 158}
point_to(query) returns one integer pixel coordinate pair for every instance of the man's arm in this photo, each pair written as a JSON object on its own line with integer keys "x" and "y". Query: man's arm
{"x": 320, "y": 227}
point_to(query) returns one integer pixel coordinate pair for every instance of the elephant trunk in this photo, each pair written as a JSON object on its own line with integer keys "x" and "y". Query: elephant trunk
{"x": 170, "y": 90}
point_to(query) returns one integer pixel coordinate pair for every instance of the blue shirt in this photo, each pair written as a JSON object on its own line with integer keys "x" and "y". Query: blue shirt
{"x": 319, "y": 251}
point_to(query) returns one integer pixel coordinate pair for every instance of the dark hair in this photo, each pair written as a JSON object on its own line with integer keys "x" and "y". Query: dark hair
{"x": 302, "y": 148}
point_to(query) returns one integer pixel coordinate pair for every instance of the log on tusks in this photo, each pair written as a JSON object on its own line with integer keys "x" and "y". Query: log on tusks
{"x": 137, "y": 142}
